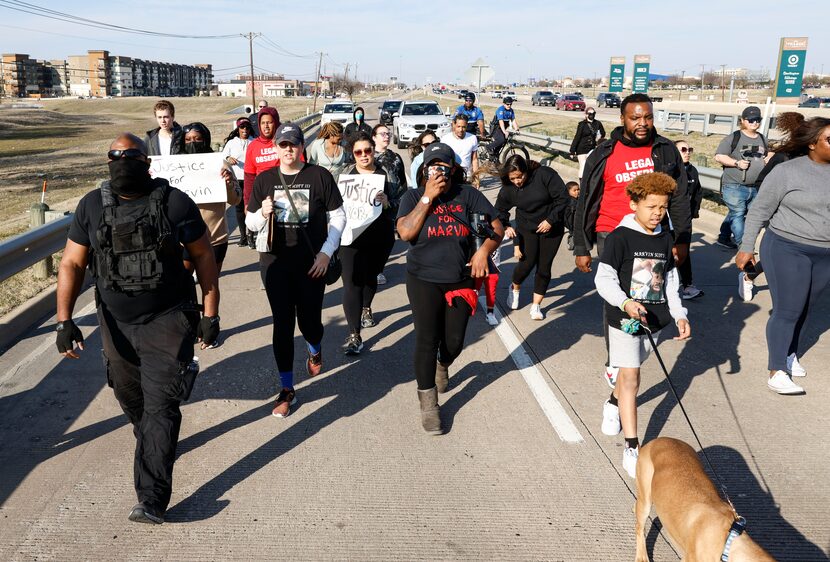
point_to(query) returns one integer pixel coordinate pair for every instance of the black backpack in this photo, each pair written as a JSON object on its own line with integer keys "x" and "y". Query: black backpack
{"x": 136, "y": 241}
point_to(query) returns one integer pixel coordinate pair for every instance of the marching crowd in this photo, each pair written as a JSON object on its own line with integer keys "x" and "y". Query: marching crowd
{"x": 145, "y": 242}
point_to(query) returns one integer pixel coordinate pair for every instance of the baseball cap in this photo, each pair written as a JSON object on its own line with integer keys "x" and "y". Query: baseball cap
{"x": 289, "y": 132}
{"x": 243, "y": 121}
{"x": 438, "y": 151}
{"x": 508, "y": 99}
{"x": 470, "y": 97}
{"x": 750, "y": 112}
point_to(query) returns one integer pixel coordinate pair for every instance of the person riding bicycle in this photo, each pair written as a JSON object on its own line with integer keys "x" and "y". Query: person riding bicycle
{"x": 504, "y": 119}
{"x": 475, "y": 117}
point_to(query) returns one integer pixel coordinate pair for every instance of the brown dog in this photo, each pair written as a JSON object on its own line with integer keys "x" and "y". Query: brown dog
{"x": 670, "y": 476}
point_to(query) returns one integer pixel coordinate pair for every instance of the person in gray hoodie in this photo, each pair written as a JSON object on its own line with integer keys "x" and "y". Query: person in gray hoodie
{"x": 795, "y": 249}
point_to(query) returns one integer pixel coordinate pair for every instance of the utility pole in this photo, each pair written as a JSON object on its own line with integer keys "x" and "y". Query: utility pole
{"x": 250, "y": 36}
{"x": 317, "y": 83}
{"x": 722, "y": 91}
{"x": 702, "y": 75}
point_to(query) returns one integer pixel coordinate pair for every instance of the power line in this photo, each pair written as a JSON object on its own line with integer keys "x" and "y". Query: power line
{"x": 285, "y": 51}
{"x": 40, "y": 11}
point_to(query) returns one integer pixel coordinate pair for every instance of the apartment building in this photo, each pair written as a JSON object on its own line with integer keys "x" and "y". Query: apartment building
{"x": 21, "y": 76}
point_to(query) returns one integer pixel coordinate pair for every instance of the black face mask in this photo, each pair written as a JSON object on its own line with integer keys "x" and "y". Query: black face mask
{"x": 195, "y": 147}
{"x": 129, "y": 178}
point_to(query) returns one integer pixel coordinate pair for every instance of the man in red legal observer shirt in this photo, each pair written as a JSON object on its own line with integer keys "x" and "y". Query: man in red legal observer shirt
{"x": 634, "y": 148}
{"x": 261, "y": 153}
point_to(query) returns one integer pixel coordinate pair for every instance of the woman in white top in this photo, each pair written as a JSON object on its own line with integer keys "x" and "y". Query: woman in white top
{"x": 234, "y": 153}
{"x": 327, "y": 149}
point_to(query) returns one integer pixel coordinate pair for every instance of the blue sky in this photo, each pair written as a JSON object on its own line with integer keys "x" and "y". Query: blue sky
{"x": 426, "y": 38}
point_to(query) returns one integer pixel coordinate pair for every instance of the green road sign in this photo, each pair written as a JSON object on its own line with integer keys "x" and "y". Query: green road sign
{"x": 616, "y": 75}
{"x": 639, "y": 84}
{"x": 791, "y": 58}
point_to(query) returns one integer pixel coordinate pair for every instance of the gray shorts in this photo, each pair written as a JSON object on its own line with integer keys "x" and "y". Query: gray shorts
{"x": 628, "y": 351}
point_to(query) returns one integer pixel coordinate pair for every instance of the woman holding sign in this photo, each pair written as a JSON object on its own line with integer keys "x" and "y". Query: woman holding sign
{"x": 392, "y": 164}
{"x": 365, "y": 249}
{"x": 197, "y": 141}
{"x": 452, "y": 229}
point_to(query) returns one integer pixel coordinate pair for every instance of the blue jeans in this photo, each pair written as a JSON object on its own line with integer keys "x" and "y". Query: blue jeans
{"x": 737, "y": 198}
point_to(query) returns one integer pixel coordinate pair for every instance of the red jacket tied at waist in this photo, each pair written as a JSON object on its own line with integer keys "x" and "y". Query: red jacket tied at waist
{"x": 468, "y": 295}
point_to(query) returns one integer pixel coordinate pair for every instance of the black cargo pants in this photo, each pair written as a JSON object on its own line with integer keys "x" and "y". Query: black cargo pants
{"x": 147, "y": 369}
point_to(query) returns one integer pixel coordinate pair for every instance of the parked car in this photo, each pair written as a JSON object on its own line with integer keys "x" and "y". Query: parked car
{"x": 387, "y": 109}
{"x": 543, "y": 97}
{"x": 815, "y": 102}
{"x": 570, "y": 102}
{"x": 414, "y": 117}
{"x": 608, "y": 100}
{"x": 341, "y": 112}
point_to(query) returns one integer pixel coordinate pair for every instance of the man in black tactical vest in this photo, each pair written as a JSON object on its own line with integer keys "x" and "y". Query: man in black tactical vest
{"x": 130, "y": 232}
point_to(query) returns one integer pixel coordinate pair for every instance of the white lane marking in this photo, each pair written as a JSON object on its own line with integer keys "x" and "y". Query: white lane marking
{"x": 551, "y": 407}
{"x": 48, "y": 341}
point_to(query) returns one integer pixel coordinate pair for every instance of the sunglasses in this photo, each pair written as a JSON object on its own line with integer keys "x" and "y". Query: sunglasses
{"x": 753, "y": 120}
{"x": 685, "y": 149}
{"x": 591, "y": 114}
{"x": 286, "y": 144}
{"x": 132, "y": 153}
{"x": 426, "y": 144}
{"x": 364, "y": 151}
{"x": 262, "y": 106}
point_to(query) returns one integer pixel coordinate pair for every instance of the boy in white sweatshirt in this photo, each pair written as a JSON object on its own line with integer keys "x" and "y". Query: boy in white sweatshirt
{"x": 640, "y": 284}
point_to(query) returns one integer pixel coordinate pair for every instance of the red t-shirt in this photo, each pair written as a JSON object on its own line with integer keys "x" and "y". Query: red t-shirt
{"x": 260, "y": 155}
{"x": 623, "y": 165}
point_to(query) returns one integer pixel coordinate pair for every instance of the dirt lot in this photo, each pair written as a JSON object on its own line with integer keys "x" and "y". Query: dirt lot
{"x": 65, "y": 143}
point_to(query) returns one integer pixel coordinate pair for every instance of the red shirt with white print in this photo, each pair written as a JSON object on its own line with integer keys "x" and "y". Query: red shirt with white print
{"x": 623, "y": 165}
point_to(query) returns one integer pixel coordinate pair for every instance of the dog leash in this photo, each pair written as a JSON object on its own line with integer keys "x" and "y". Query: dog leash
{"x": 686, "y": 415}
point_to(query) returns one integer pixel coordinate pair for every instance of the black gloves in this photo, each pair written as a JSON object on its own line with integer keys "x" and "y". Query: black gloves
{"x": 67, "y": 334}
{"x": 208, "y": 329}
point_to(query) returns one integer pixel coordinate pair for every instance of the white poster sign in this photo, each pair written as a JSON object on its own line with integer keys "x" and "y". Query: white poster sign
{"x": 198, "y": 175}
{"x": 359, "y": 192}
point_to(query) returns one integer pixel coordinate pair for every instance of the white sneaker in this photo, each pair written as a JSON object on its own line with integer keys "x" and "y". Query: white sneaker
{"x": 690, "y": 292}
{"x": 794, "y": 367}
{"x": 381, "y": 279}
{"x": 610, "y": 376}
{"x": 512, "y": 299}
{"x": 536, "y": 312}
{"x": 781, "y": 383}
{"x": 745, "y": 287}
{"x": 491, "y": 319}
{"x": 630, "y": 457}
{"x": 610, "y": 419}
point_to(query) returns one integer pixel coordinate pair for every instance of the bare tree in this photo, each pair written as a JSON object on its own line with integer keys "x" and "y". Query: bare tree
{"x": 342, "y": 83}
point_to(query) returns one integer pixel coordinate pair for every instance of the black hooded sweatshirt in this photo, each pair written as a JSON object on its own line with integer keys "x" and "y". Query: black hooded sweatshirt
{"x": 353, "y": 128}
{"x": 666, "y": 159}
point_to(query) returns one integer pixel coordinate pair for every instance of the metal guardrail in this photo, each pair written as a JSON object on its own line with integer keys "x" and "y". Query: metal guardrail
{"x": 709, "y": 177}
{"x": 25, "y": 250}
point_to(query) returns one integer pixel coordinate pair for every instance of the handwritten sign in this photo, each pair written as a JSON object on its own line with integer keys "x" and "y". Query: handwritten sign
{"x": 198, "y": 175}
{"x": 359, "y": 192}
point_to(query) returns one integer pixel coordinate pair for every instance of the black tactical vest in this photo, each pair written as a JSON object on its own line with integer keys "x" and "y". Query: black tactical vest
{"x": 138, "y": 250}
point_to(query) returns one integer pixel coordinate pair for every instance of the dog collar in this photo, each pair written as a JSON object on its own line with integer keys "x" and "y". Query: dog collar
{"x": 735, "y": 531}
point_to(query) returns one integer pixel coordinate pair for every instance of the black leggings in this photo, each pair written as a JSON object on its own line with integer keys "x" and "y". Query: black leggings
{"x": 538, "y": 250}
{"x": 439, "y": 328}
{"x": 601, "y": 236}
{"x": 240, "y": 215}
{"x": 362, "y": 261}
{"x": 292, "y": 295}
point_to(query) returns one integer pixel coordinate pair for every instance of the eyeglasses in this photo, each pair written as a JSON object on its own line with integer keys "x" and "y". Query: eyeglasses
{"x": 383, "y": 134}
{"x": 286, "y": 144}
{"x": 132, "y": 153}
{"x": 363, "y": 152}
{"x": 753, "y": 120}
{"x": 685, "y": 149}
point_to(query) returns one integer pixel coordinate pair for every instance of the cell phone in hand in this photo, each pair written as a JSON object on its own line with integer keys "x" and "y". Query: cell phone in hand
{"x": 753, "y": 270}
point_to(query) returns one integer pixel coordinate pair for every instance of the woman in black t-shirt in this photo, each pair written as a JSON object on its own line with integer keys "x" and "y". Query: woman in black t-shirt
{"x": 441, "y": 265}
{"x": 364, "y": 258}
{"x": 295, "y": 252}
